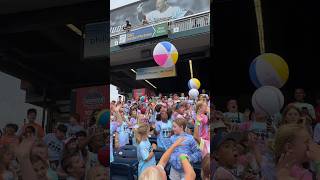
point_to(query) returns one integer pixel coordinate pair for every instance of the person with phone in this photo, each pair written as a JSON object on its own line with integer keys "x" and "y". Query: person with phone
{"x": 306, "y": 108}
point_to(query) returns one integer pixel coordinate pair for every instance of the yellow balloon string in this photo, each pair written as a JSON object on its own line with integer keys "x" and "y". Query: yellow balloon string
{"x": 190, "y": 65}
{"x": 260, "y": 25}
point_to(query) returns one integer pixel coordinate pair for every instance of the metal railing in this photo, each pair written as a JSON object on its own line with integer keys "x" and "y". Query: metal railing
{"x": 174, "y": 26}
{"x": 189, "y": 23}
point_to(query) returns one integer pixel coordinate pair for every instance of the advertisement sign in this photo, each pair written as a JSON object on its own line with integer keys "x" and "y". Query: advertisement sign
{"x": 154, "y": 11}
{"x": 142, "y": 92}
{"x": 155, "y": 72}
{"x": 96, "y": 40}
{"x": 144, "y": 33}
{"x": 90, "y": 99}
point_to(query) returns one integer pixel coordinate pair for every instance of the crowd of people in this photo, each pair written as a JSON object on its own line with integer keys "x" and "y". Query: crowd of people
{"x": 253, "y": 146}
{"x": 180, "y": 126}
{"x": 69, "y": 152}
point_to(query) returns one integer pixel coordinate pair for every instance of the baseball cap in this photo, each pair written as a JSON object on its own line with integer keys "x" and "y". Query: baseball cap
{"x": 233, "y": 136}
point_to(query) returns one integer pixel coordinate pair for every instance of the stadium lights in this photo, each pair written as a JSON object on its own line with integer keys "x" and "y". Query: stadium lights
{"x": 133, "y": 71}
{"x": 145, "y": 80}
{"x": 150, "y": 84}
{"x": 74, "y": 29}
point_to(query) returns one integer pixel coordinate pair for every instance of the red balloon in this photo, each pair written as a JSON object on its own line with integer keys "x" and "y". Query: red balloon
{"x": 103, "y": 156}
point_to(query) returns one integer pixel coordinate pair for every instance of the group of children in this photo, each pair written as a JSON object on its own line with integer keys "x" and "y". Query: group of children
{"x": 181, "y": 128}
{"x": 68, "y": 153}
{"x": 253, "y": 146}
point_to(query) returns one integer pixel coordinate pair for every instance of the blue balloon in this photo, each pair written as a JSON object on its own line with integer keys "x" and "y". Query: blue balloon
{"x": 103, "y": 118}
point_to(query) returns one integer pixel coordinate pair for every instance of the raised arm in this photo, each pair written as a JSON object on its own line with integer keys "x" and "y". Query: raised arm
{"x": 187, "y": 168}
{"x": 22, "y": 152}
{"x": 166, "y": 156}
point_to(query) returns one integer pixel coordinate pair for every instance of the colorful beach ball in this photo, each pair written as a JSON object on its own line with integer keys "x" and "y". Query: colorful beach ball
{"x": 193, "y": 93}
{"x": 267, "y": 100}
{"x": 142, "y": 99}
{"x": 103, "y": 156}
{"x": 165, "y": 54}
{"x": 269, "y": 70}
{"x": 103, "y": 118}
{"x": 194, "y": 83}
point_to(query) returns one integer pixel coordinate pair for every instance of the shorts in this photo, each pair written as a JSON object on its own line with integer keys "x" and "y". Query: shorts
{"x": 175, "y": 175}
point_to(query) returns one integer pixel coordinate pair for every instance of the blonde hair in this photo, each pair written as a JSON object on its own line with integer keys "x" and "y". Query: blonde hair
{"x": 205, "y": 170}
{"x": 141, "y": 132}
{"x": 181, "y": 122}
{"x": 285, "y": 134}
{"x": 151, "y": 173}
{"x": 199, "y": 105}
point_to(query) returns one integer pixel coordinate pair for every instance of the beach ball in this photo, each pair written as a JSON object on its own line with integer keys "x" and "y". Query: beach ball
{"x": 103, "y": 118}
{"x": 165, "y": 54}
{"x": 103, "y": 156}
{"x": 267, "y": 100}
{"x": 193, "y": 93}
{"x": 194, "y": 83}
{"x": 269, "y": 70}
{"x": 142, "y": 98}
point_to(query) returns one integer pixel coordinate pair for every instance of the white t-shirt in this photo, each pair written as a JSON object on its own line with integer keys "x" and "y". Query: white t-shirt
{"x": 172, "y": 13}
{"x": 310, "y": 108}
{"x": 55, "y": 146}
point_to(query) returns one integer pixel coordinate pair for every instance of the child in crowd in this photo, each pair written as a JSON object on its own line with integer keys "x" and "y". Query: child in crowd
{"x": 97, "y": 173}
{"x": 6, "y": 157}
{"x": 190, "y": 148}
{"x": 55, "y": 144}
{"x": 133, "y": 118}
{"x": 163, "y": 131}
{"x": 41, "y": 168}
{"x": 74, "y": 125}
{"x": 205, "y": 168}
{"x": 10, "y": 136}
{"x": 145, "y": 151}
{"x": 202, "y": 120}
{"x": 158, "y": 173}
{"x": 74, "y": 166}
{"x": 226, "y": 154}
{"x": 293, "y": 147}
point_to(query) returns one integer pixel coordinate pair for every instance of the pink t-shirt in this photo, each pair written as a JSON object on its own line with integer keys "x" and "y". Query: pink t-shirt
{"x": 204, "y": 128}
{"x": 300, "y": 173}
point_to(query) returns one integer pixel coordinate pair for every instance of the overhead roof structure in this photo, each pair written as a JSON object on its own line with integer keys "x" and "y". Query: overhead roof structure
{"x": 41, "y": 42}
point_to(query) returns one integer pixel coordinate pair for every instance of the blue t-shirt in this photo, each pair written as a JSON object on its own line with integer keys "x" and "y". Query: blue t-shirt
{"x": 164, "y": 130}
{"x": 124, "y": 132}
{"x": 190, "y": 148}
{"x": 143, "y": 151}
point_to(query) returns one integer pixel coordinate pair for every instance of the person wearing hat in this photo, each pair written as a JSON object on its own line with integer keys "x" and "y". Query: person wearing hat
{"x": 226, "y": 154}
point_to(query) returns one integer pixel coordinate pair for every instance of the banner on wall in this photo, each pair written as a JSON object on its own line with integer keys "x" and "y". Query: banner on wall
{"x": 151, "y": 11}
{"x": 155, "y": 72}
{"x": 90, "y": 99}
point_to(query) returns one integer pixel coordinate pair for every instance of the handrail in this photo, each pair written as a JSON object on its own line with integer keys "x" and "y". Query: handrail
{"x": 162, "y": 21}
{"x": 174, "y": 26}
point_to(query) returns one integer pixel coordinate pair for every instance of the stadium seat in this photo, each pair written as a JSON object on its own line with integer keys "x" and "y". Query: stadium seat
{"x": 129, "y": 147}
{"x": 197, "y": 170}
{"x": 127, "y": 153}
{"x": 124, "y": 168}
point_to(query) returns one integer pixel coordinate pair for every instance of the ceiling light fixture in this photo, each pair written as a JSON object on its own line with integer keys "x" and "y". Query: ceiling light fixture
{"x": 74, "y": 29}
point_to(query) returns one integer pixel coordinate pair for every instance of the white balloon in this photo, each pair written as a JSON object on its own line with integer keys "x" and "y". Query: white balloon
{"x": 193, "y": 93}
{"x": 267, "y": 100}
